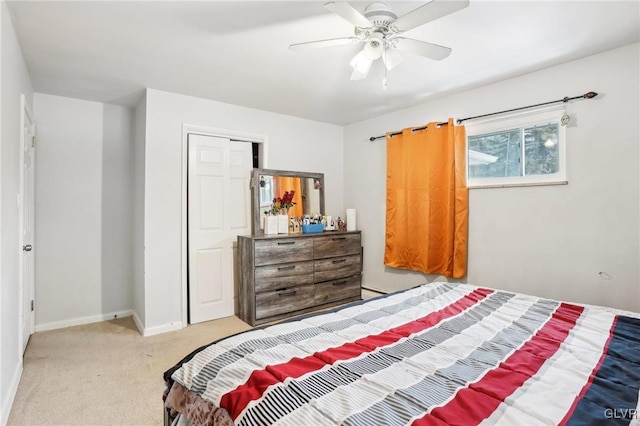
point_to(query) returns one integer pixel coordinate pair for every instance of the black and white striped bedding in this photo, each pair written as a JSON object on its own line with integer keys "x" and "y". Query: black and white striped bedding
{"x": 437, "y": 354}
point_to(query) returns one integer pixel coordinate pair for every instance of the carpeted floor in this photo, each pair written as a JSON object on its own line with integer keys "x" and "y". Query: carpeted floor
{"x": 104, "y": 373}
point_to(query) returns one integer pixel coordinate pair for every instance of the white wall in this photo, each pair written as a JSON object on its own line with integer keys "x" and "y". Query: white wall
{"x": 3, "y": 409}
{"x": 117, "y": 209}
{"x": 4, "y": 406}
{"x": 84, "y": 197}
{"x": 14, "y": 82}
{"x": 140, "y": 122}
{"x": 548, "y": 241}
{"x": 293, "y": 144}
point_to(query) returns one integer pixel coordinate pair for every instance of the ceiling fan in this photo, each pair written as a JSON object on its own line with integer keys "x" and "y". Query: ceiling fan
{"x": 380, "y": 29}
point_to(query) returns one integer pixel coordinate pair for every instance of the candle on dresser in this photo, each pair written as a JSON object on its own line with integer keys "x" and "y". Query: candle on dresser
{"x": 351, "y": 219}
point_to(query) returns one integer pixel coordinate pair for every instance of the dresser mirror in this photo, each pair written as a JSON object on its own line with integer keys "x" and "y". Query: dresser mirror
{"x": 267, "y": 184}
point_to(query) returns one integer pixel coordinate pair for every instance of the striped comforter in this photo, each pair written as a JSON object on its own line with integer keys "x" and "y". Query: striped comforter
{"x": 439, "y": 354}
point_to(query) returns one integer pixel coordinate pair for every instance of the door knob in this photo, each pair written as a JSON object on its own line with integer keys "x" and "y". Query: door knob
{"x": 27, "y": 247}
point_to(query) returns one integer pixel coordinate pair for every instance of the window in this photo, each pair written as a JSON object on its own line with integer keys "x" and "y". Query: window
{"x": 266, "y": 192}
{"x": 524, "y": 150}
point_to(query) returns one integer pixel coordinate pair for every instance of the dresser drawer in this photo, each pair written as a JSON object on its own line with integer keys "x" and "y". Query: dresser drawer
{"x": 282, "y": 250}
{"x": 273, "y": 277}
{"x": 273, "y": 303}
{"x": 333, "y": 291}
{"x": 336, "y": 245}
{"x": 336, "y": 267}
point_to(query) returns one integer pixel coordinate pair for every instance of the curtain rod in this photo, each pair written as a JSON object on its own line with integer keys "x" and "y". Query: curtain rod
{"x": 588, "y": 95}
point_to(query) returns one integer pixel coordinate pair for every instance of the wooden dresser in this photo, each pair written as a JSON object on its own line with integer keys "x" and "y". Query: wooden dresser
{"x": 286, "y": 275}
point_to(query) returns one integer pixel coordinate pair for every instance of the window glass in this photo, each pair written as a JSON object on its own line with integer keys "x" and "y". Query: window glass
{"x": 541, "y": 151}
{"x": 500, "y": 155}
{"x": 521, "y": 150}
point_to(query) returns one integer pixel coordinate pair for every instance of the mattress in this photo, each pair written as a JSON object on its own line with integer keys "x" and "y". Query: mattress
{"x": 437, "y": 354}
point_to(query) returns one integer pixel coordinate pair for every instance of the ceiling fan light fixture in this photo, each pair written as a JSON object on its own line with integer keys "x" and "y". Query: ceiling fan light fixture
{"x": 391, "y": 58}
{"x": 357, "y": 75}
{"x": 361, "y": 64}
{"x": 374, "y": 47}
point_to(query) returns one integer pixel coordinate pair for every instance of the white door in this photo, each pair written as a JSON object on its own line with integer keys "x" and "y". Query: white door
{"x": 27, "y": 219}
{"x": 219, "y": 209}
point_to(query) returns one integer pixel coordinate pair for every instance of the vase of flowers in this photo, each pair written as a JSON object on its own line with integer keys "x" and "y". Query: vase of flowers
{"x": 280, "y": 207}
{"x": 284, "y": 203}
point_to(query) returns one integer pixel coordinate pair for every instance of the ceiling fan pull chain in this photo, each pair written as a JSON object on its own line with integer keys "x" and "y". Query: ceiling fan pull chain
{"x": 384, "y": 79}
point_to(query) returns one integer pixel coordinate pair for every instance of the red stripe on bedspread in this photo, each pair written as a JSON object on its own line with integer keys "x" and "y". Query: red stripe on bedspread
{"x": 236, "y": 401}
{"x": 475, "y": 403}
{"x": 587, "y": 385}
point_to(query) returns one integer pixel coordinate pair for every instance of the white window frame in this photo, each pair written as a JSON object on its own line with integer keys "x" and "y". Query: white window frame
{"x": 527, "y": 119}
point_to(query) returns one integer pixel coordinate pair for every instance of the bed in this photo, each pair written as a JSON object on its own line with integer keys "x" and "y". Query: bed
{"x": 437, "y": 354}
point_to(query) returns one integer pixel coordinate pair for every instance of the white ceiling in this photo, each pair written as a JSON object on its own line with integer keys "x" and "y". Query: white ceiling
{"x": 237, "y": 52}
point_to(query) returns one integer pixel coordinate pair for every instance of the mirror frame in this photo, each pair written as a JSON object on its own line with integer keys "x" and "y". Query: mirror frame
{"x": 255, "y": 196}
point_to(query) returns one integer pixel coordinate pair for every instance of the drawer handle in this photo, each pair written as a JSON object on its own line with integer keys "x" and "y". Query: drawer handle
{"x": 286, "y": 243}
{"x": 286, "y": 268}
{"x": 339, "y": 238}
{"x": 340, "y": 282}
{"x": 288, "y": 293}
{"x": 338, "y": 261}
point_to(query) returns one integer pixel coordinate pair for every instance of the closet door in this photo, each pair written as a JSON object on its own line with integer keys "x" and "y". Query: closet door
{"x": 219, "y": 209}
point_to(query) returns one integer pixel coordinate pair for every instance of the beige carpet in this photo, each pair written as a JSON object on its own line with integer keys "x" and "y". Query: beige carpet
{"x": 104, "y": 373}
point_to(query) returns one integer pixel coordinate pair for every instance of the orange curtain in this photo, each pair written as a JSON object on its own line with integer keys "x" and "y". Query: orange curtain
{"x": 287, "y": 183}
{"x": 427, "y": 201}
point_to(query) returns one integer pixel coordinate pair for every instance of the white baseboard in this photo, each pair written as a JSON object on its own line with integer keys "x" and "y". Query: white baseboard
{"x": 145, "y": 331}
{"x": 173, "y": 326}
{"x": 83, "y": 320}
{"x": 154, "y": 330}
{"x": 11, "y": 394}
{"x": 138, "y": 322}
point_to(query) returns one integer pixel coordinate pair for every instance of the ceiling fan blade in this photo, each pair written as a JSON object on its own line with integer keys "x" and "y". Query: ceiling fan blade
{"x": 429, "y": 12}
{"x": 347, "y": 12}
{"x": 324, "y": 43}
{"x": 422, "y": 48}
